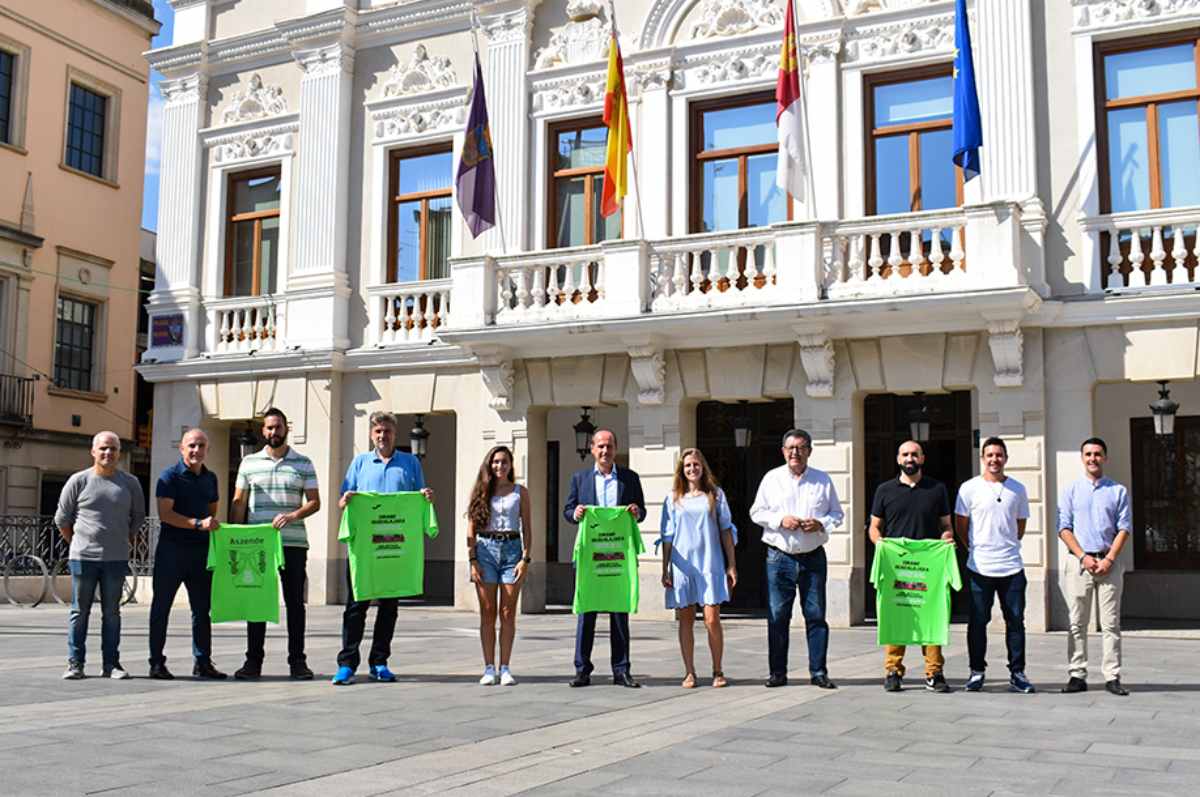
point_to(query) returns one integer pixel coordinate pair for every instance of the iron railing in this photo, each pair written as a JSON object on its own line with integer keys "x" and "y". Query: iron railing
{"x": 16, "y": 400}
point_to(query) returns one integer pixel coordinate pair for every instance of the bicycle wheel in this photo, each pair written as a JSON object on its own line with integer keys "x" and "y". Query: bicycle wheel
{"x": 129, "y": 589}
{"x": 15, "y": 569}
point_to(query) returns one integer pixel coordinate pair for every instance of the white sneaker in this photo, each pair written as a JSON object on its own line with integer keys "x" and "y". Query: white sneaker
{"x": 74, "y": 671}
{"x": 506, "y": 678}
{"x": 489, "y": 677}
{"x": 117, "y": 673}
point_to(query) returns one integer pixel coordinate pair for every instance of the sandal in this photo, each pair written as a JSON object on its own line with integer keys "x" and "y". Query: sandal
{"x": 719, "y": 680}
{"x": 689, "y": 682}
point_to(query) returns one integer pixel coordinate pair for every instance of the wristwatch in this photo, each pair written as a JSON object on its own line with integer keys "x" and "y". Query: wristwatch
{"x": 526, "y": 560}
{"x": 196, "y": 523}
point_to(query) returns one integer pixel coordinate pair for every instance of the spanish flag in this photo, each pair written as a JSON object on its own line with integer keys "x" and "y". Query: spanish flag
{"x": 791, "y": 167}
{"x": 620, "y": 141}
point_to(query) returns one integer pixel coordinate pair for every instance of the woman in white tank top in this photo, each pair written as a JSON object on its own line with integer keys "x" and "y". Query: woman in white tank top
{"x": 498, "y": 530}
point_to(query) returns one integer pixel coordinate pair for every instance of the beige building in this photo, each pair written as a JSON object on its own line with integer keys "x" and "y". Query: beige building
{"x": 312, "y": 257}
{"x": 73, "y": 97}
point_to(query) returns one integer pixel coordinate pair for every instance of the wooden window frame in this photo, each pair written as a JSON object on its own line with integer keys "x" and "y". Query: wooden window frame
{"x": 1148, "y": 101}
{"x": 589, "y": 173}
{"x": 914, "y": 130}
{"x": 232, "y": 219}
{"x": 395, "y": 157}
{"x": 701, "y": 156}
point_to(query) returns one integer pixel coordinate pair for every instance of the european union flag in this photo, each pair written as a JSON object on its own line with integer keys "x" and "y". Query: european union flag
{"x": 968, "y": 129}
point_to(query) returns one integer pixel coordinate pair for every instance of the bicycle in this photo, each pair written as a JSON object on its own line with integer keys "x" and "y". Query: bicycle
{"x": 25, "y": 565}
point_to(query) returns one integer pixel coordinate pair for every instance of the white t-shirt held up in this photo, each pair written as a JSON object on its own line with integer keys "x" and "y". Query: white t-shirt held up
{"x": 993, "y": 509}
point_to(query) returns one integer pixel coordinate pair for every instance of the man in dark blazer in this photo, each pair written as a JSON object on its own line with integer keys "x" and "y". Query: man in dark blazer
{"x": 604, "y": 484}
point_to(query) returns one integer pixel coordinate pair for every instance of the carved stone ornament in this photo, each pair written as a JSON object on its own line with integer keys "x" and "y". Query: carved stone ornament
{"x": 252, "y": 145}
{"x": 183, "y": 90}
{"x": 497, "y": 377}
{"x": 816, "y": 355}
{"x": 856, "y": 7}
{"x": 573, "y": 93}
{"x": 735, "y": 17}
{"x": 510, "y": 27}
{"x": 650, "y": 371}
{"x": 584, "y": 38}
{"x": 884, "y": 41}
{"x": 421, "y": 73}
{"x": 745, "y": 67}
{"x": 256, "y": 102}
{"x": 1102, "y": 13}
{"x": 1007, "y": 345}
{"x": 412, "y": 121}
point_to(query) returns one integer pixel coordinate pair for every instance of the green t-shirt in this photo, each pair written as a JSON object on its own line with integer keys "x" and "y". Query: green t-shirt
{"x": 606, "y": 552}
{"x": 385, "y": 536}
{"x": 245, "y": 561}
{"x": 912, "y": 581}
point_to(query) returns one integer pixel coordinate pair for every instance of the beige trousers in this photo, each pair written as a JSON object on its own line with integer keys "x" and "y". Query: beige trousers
{"x": 1079, "y": 589}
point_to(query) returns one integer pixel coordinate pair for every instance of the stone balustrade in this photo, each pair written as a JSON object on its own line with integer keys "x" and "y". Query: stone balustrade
{"x": 1145, "y": 249}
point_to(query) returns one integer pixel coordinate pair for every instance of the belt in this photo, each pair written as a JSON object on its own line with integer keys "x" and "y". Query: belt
{"x": 789, "y": 553}
{"x": 499, "y": 535}
{"x": 1097, "y": 554}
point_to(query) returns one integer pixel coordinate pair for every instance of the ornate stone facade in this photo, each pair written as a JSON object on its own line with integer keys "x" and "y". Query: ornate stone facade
{"x": 256, "y": 102}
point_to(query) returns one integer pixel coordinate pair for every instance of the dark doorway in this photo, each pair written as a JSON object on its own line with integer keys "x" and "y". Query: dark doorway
{"x": 739, "y": 471}
{"x": 949, "y": 454}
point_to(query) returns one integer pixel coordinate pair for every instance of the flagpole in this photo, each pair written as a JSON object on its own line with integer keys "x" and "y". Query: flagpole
{"x": 495, "y": 162}
{"x": 612, "y": 13}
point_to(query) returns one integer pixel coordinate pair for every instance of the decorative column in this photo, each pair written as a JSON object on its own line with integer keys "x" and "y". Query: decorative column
{"x": 177, "y": 277}
{"x": 317, "y": 284}
{"x": 506, "y": 28}
{"x": 651, "y": 117}
{"x": 1003, "y": 44}
{"x": 823, "y": 102}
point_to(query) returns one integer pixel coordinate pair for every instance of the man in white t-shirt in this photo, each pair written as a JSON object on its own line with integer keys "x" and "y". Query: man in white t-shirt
{"x": 989, "y": 518}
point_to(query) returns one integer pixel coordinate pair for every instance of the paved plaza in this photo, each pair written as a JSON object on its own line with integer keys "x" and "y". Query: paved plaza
{"x": 438, "y": 732}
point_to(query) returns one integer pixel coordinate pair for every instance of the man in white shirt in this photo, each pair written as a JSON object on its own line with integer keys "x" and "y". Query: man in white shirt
{"x": 796, "y": 506}
{"x": 989, "y": 518}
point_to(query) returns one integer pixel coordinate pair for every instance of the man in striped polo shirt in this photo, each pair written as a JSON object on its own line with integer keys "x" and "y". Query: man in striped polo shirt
{"x": 278, "y": 485}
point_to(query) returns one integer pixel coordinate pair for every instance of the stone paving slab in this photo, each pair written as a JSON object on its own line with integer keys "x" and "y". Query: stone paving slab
{"x": 438, "y": 732}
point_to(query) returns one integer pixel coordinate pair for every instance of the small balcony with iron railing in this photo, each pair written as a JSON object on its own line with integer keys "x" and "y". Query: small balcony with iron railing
{"x": 16, "y": 400}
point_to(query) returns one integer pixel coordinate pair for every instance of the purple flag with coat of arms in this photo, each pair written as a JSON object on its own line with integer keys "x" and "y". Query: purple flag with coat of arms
{"x": 476, "y": 179}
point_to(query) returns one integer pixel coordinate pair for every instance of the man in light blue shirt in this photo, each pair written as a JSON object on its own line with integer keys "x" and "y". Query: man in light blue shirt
{"x": 1094, "y": 522}
{"x": 383, "y": 469}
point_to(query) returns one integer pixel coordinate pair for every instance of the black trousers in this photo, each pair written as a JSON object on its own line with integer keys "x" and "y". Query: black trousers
{"x": 354, "y": 623}
{"x": 177, "y": 565}
{"x": 295, "y": 570}
{"x": 618, "y": 640}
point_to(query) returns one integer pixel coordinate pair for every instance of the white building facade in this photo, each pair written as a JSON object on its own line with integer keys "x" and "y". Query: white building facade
{"x": 311, "y": 256}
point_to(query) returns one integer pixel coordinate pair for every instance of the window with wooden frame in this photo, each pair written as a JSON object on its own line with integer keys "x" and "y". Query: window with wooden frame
{"x": 1148, "y": 137}
{"x": 576, "y": 177}
{"x": 76, "y": 344}
{"x": 419, "y": 212}
{"x": 252, "y": 233}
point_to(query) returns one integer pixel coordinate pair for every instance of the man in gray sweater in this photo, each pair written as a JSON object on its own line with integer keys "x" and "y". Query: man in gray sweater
{"x": 99, "y": 511}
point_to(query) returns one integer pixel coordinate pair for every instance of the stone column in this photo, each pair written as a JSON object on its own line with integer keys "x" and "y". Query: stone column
{"x": 177, "y": 277}
{"x": 317, "y": 284}
{"x": 651, "y": 117}
{"x": 1003, "y": 46}
{"x": 506, "y": 28}
{"x": 823, "y": 102}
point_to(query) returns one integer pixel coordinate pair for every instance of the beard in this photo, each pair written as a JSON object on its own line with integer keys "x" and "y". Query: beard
{"x": 910, "y": 469}
{"x": 275, "y": 441}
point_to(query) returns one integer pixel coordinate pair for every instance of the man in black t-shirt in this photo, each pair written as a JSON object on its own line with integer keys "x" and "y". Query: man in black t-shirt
{"x": 915, "y": 507}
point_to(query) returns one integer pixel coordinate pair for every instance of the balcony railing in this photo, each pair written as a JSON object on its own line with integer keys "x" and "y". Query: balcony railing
{"x": 1146, "y": 249}
{"x": 714, "y": 270}
{"x": 552, "y": 285}
{"x": 243, "y": 324}
{"x": 16, "y": 400}
{"x": 409, "y": 312}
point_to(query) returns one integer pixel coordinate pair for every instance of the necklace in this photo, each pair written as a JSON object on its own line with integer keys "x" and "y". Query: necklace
{"x": 999, "y": 491}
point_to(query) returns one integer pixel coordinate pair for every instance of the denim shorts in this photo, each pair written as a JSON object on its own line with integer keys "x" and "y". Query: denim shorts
{"x": 497, "y": 559}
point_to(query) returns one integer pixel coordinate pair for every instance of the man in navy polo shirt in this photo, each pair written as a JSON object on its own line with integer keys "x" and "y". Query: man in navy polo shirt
{"x": 187, "y": 503}
{"x": 383, "y": 469}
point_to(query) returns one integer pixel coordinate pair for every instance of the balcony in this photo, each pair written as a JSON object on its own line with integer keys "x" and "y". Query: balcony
{"x": 16, "y": 400}
{"x": 243, "y": 324}
{"x": 1146, "y": 250}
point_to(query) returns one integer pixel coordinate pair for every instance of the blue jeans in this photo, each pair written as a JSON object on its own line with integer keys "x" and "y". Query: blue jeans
{"x": 85, "y": 577}
{"x": 787, "y": 574}
{"x": 984, "y": 589}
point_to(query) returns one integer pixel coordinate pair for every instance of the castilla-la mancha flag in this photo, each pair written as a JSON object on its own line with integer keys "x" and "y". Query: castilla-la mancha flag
{"x": 619, "y": 143}
{"x": 791, "y": 167}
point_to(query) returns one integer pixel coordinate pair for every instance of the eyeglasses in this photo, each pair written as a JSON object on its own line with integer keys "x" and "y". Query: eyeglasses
{"x": 795, "y": 449}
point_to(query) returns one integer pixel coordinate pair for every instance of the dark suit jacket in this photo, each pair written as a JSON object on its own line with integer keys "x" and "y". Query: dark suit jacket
{"x": 583, "y": 491}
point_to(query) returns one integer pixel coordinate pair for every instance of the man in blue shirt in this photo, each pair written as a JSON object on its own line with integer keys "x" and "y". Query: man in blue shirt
{"x": 187, "y": 506}
{"x": 1094, "y": 521}
{"x": 381, "y": 470}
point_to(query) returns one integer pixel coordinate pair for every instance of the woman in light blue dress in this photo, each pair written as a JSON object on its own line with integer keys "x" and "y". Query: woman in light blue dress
{"x": 699, "y": 568}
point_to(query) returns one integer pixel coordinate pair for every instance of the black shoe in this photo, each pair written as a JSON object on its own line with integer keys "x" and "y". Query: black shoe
{"x": 893, "y": 682}
{"x": 776, "y": 679}
{"x": 208, "y": 672}
{"x": 250, "y": 671}
{"x": 159, "y": 672}
{"x": 1075, "y": 685}
{"x": 626, "y": 680}
{"x": 581, "y": 679}
{"x": 937, "y": 683}
{"x": 1114, "y": 687}
{"x": 822, "y": 681}
{"x": 300, "y": 672}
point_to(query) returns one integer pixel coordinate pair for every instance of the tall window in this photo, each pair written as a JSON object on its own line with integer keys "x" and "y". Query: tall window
{"x": 7, "y": 71}
{"x": 576, "y": 184}
{"x": 419, "y": 227}
{"x": 1150, "y": 140}
{"x": 1166, "y": 495}
{"x": 86, "y": 119}
{"x": 252, "y": 233}
{"x": 911, "y": 142}
{"x": 75, "y": 344}
{"x": 734, "y": 145}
